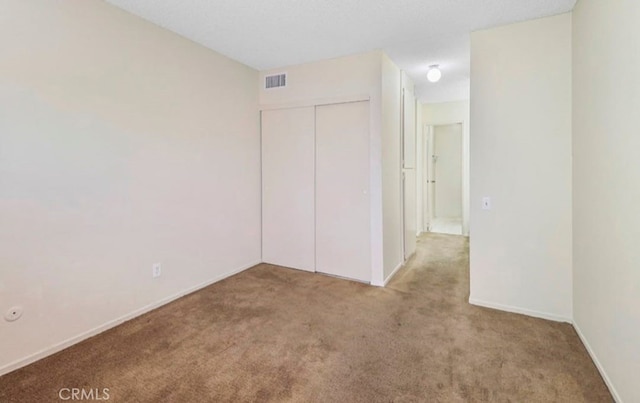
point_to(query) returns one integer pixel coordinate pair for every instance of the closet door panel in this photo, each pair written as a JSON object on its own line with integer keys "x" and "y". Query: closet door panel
{"x": 288, "y": 200}
{"x": 342, "y": 191}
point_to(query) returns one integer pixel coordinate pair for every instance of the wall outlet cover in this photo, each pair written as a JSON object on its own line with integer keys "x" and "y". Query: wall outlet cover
{"x": 14, "y": 313}
{"x": 157, "y": 270}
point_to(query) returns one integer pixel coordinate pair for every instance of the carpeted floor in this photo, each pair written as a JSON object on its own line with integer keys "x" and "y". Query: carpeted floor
{"x": 274, "y": 334}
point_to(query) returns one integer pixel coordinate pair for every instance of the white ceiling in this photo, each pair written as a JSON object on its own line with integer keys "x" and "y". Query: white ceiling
{"x": 266, "y": 34}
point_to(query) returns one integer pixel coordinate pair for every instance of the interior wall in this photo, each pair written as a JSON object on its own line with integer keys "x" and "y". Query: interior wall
{"x": 606, "y": 186}
{"x": 447, "y": 113}
{"x": 325, "y": 80}
{"x": 520, "y": 250}
{"x": 121, "y": 145}
{"x": 391, "y": 167}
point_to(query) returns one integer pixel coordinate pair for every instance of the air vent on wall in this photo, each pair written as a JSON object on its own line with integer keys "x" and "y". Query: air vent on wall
{"x": 275, "y": 81}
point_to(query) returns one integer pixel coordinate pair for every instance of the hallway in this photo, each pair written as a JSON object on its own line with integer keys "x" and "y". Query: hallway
{"x": 451, "y": 226}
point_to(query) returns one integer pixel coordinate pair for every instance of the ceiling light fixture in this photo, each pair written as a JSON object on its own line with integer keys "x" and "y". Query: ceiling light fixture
{"x": 434, "y": 73}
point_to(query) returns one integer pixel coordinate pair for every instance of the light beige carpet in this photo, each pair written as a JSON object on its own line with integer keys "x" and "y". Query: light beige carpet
{"x": 274, "y": 334}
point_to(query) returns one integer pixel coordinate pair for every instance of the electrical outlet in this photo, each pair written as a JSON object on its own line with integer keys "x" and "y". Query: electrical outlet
{"x": 157, "y": 270}
{"x": 14, "y": 313}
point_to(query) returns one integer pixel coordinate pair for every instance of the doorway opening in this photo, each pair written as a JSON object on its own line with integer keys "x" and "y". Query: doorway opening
{"x": 443, "y": 192}
{"x": 444, "y": 174}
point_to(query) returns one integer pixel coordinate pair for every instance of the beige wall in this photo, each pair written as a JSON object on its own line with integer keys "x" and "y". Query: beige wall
{"x": 520, "y": 250}
{"x": 606, "y": 185}
{"x": 325, "y": 80}
{"x": 391, "y": 172}
{"x": 446, "y": 112}
{"x": 121, "y": 145}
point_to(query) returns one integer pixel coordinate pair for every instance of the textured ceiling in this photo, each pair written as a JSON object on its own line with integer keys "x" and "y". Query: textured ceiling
{"x": 266, "y": 34}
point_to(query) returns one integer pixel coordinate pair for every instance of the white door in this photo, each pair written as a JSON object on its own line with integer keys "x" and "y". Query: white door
{"x": 430, "y": 180}
{"x": 448, "y": 171}
{"x": 288, "y": 200}
{"x": 410, "y": 220}
{"x": 409, "y": 172}
{"x": 342, "y": 191}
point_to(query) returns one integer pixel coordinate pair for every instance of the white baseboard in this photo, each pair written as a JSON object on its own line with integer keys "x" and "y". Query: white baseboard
{"x": 595, "y": 360}
{"x": 384, "y": 282}
{"x": 376, "y": 283}
{"x": 393, "y": 273}
{"x": 523, "y": 311}
{"x": 12, "y": 366}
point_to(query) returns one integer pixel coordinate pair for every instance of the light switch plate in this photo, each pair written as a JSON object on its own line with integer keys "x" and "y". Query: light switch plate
{"x": 486, "y": 203}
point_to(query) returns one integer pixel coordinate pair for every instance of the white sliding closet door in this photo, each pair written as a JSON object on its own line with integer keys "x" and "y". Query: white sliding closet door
{"x": 288, "y": 200}
{"x": 342, "y": 191}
